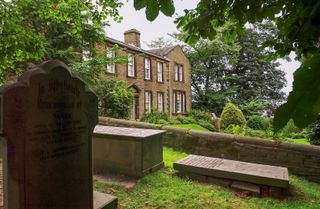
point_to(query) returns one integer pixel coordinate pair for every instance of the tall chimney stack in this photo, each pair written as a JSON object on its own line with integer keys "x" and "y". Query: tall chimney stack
{"x": 132, "y": 37}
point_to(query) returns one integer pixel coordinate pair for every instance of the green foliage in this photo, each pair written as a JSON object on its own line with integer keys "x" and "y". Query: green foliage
{"x": 186, "y": 119}
{"x": 314, "y": 135}
{"x": 36, "y": 30}
{"x": 153, "y": 7}
{"x": 289, "y": 129}
{"x": 225, "y": 71}
{"x": 200, "y": 115}
{"x": 303, "y": 104}
{"x": 206, "y": 124}
{"x": 246, "y": 131}
{"x": 232, "y": 115}
{"x": 115, "y": 99}
{"x": 156, "y": 117}
{"x": 258, "y": 122}
{"x": 254, "y": 107}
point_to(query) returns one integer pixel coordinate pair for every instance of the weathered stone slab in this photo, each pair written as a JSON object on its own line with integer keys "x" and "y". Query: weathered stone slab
{"x": 235, "y": 170}
{"x": 104, "y": 201}
{"x": 48, "y": 119}
{"x": 130, "y": 151}
{"x": 131, "y": 132}
{"x": 238, "y": 185}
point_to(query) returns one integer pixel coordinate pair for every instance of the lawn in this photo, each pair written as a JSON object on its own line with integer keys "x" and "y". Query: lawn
{"x": 300, "y": 141}
{"x": 191, "y": 126}
{"x": 164, "y": 189}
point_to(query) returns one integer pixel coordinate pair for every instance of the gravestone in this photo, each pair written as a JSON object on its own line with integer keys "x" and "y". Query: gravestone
{"x": 234, "y": 170}
{"x": 47, "y": 119}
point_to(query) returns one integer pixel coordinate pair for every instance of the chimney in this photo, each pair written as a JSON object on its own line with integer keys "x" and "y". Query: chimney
{"x": 132, "y": 37}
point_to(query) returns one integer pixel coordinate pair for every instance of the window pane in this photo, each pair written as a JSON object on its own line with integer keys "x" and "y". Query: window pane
{"x": 160, "y": 74}
{"x": 147, "y": 98}
{"x": 160, "y": 102}
{"x": 176, "y": 74}
{"x": 131, "y": 69}
{"x": 180, "y": 73}
{"x": 110, "y": 66}
{"x": 147, "y": 70}
{"x": 178, "y": 110}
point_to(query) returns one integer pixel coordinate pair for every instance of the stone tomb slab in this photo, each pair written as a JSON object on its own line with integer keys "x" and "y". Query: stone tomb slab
{"x": 48, "y": 118}
{"x": 235, "y": 170}
{"x": 129, "y": 151}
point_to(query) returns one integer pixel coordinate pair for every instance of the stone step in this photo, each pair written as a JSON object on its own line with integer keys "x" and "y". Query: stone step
{"x": 235, "y": 170}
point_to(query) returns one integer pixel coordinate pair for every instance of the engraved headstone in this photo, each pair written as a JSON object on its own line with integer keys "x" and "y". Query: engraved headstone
{"x": 48, "y": 118}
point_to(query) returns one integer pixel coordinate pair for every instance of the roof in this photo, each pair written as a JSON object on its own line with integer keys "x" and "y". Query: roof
{"x": 162, "y": 51}
{"x": 134, "y": 48}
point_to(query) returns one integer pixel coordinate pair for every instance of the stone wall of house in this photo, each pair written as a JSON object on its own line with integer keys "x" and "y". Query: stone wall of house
{"x": 139, "y": 81}
{"x": 300, "y": 159}
{"x": 178, "y": 57}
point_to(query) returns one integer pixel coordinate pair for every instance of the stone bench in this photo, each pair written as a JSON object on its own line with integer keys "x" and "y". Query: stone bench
{"x": 231, "y": 172}
{"x": 130, "y": 151}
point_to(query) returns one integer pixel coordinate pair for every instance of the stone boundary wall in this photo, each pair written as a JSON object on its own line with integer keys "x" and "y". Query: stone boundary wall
{"x": 300, "y": 159}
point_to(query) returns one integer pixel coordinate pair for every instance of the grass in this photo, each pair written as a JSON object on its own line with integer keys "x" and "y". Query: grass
{"x": 300, "y": 141}
{"x": 191, "y": 126}
{"x": 164, "y": 189}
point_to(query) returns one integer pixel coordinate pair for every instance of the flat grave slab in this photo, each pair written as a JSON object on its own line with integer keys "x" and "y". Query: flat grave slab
{"x": 235, "y": 170}
{"x": 121, "y": 131}
{"x": 104, "y": 201}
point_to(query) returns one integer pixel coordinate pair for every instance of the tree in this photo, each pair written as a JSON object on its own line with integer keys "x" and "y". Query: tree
{"x": 115, "y": 99}
{"x": 160, "y": 43}
{"x": 235, "y": 71}
{"x": 299, "y": 30}
{"x": 37, "y": 30}
{"x": 255, "y": 76}
{"x": 211, "y": 70}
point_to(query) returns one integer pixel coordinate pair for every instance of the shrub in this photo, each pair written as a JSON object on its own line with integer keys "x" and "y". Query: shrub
{"x": 289, "y": 129}
{"x": 257, "y": 122}
{"x": 163, "y": 122}
{"x": 155, "y": 117}
{"x": 232, "y": 115}
{"x": 206, "y": 124}
{"x": 200, "y": 115}
{"x": 186, "y": 119}
{"x": 174, "y": 122}
{"x": 114, "y": 98}
{"x": 314, "y": 136}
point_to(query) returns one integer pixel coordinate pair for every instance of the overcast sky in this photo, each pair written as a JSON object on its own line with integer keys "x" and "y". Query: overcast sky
{"x": 164, "y": 25}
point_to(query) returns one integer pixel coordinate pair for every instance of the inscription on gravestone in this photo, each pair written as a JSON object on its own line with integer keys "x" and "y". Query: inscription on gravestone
{"x": 48, "y": 119}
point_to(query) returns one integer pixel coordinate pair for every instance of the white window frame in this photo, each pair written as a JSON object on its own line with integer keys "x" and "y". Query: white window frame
{"x": 147, "y": 101}
{"x": 176, "y": 72}
{"x": 160, "y": 102}
{"x": 181, "y": 73}
{"x": 179, "y": 102}
{"x": 131, "y": 70}
{"x": 147, "y": 68}
{"x": 111, "y": 68}
{"x": 159, "y": 72}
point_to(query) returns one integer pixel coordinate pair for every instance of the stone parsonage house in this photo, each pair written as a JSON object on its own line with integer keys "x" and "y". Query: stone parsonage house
{"x": 159, "y": 78}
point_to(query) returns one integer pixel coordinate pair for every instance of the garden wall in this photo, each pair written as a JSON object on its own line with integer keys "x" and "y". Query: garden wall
{"x": 300, "y": 159}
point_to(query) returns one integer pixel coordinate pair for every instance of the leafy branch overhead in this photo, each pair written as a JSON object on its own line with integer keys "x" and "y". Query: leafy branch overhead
{"x": 153, "y": 7}
{"x": 298, "y": 23}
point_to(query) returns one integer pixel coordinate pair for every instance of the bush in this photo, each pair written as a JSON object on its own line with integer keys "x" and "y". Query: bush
{"x": 289, "y": 129}
{"x": 114, "y": 98}
{"x": 186, "y": 119}
{"x": 257, "y": 122}
{"x": 206, "y": 124}
{"x": 155, "y": 117}
{"x": 174, "y": 122}
{"x": 200, "y": 115}
{"x": 232, "y": 115}
{"x": 314, "y": 136}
